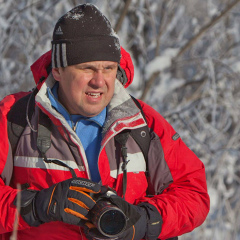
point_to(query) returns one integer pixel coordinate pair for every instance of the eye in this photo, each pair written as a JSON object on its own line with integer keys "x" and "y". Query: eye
{"x": 87, "y": 69}
{"x": 110, "y": 68}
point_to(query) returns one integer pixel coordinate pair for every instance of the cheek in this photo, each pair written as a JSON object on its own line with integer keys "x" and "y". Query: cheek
{"x": 111, "y": 85}
{"x": 76, "y": 84}
{"x": 76, "y": 91}
{"x": 71, "y": 90}
{"x": 112, "y": 91}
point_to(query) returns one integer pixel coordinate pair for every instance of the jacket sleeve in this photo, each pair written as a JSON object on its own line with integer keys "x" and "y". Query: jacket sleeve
{"x": 184, "y": 204}
{"x": 7, "y": 193}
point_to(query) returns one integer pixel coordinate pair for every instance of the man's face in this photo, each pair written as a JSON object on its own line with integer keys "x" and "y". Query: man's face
{"x": 86, "y": 88}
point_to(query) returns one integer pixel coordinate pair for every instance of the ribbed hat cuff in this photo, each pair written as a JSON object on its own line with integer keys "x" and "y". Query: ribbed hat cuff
{"x": 98, "y": 48}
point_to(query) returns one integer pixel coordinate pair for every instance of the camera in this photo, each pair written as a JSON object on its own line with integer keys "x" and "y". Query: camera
{"x": 108, "y": 218}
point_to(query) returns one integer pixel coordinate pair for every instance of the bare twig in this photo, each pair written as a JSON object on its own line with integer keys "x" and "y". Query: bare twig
{"x": 123, "y": 14}
{"x": 149, "y": 84}
{"x": 15, "y": 225}
{"x": 162, "y": 28}
{"x": 206, "y": 28}
{"x": 220, "y": 164}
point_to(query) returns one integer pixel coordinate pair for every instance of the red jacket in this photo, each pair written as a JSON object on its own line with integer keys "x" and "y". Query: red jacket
{"x": 176, "y": 180}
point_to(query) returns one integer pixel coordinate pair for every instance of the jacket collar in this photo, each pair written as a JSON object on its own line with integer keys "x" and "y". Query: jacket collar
{"x": 122, "y": 112}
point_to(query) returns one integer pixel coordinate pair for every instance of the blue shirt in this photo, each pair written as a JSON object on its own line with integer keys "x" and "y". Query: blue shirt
{"x": 88, "y": 130}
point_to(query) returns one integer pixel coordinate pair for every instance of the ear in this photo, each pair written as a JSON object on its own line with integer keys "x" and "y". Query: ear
{"x": 56, "y": 74}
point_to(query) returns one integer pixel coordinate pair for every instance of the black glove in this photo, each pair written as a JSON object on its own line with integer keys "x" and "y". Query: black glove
{"x": 68, "y": 201}
{"x": 143, "y": 221}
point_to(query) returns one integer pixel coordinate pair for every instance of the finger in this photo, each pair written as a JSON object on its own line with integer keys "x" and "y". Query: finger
{"x": 84, "y": 189}
{"x": 81, "y": 198}
{"x": 72, "y": 218}
{"x": 89, "y": 225}
{"x": 76, "y": 214}
{"x": 76, "y": 210}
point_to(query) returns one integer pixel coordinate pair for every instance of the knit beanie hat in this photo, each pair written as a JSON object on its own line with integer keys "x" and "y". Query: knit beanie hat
{"x": 84, "y": 34}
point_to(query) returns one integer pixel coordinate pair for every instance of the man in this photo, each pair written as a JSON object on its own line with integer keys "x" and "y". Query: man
{"x": 69, "y": 156}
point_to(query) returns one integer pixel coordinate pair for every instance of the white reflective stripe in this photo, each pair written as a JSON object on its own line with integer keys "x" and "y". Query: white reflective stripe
{"x": 136, "y": 163}
{"x": 58, "y": 55}
{"x": 35, "y": 162}
{"x": 53, "y": 54}
{"x": 64, "y": 54}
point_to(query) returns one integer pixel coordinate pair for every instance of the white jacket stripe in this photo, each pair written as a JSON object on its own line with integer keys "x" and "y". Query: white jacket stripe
{"x": 35, "y": 162}
{"x": 136, "y": 164}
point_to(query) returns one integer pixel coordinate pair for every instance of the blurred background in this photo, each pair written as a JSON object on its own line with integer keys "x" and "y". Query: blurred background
{"x": 187, "y": 62}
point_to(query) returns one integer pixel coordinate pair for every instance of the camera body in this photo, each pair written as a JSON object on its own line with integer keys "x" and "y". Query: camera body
{"x": 108, "y": 218}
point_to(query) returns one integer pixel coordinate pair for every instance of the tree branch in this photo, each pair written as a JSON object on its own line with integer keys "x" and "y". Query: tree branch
{"x": 149, "y": 84}
{"x": 123, "y": 14}
{"x": 189, "y": 44}
{"x": 205, "y": 28}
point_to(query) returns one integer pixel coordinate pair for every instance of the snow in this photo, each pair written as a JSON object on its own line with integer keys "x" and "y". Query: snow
{"x": 74, "y": 16}
{"x": 162, "y": 62}
{"x": 198, "y": 93}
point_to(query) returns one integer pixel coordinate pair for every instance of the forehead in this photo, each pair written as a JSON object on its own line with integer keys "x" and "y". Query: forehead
{"x": 97, "y": 64}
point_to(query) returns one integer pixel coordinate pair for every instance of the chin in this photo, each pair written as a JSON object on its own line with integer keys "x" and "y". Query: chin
{"x": 92, "y": 111}
{"x": 91, "y": 114}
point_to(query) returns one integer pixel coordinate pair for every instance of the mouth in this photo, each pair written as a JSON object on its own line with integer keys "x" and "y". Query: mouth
{"x": 94, "y": 95}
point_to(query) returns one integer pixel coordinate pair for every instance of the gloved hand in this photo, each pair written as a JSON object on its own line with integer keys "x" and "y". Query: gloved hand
{"x": 68, "y": 201}
{"x": 143, "y": 221}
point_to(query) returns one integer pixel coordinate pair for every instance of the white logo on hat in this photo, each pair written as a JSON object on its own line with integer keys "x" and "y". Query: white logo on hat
{"x": 59, "y": 31}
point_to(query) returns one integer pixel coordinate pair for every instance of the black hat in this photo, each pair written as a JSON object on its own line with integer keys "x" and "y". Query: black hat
{"x": 84, "y": 34}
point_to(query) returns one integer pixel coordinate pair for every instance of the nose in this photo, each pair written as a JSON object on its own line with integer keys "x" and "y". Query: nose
{"x": 97, "y": 80}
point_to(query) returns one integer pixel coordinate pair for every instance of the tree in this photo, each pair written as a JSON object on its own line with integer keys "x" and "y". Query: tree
{"x": 186, "y": 57}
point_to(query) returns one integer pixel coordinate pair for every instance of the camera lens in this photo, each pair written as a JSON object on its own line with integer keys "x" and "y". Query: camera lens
{"x": 108, "y": 218}
{"x": 112, "y": 222}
